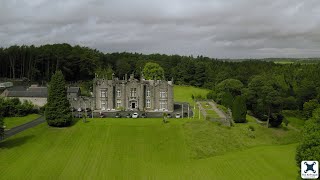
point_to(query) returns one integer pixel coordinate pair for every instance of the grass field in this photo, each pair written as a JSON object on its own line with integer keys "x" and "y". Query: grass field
{"x": 11, "y": 122}
{"x": 134, "y": 149}
{"x": 148, "y": 149}
{"x": 184, "y": 93}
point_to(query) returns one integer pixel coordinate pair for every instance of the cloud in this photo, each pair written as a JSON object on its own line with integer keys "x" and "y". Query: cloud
{"x": 215, "y": 28}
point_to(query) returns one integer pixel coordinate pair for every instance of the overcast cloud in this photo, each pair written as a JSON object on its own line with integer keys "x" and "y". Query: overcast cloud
{"x": 214, "y": 28}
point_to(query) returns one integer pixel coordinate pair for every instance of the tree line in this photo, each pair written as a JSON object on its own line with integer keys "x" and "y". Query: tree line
{"x": 267, "y": 87}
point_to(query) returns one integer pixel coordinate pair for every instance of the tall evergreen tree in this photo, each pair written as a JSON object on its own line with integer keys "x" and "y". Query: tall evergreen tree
{"x": 58, "y": 107}
{"x": 227, "y": 100}
{"x": 239, "y": 110}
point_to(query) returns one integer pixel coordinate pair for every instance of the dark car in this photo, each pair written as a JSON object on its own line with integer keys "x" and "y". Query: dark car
{"x": 128, "y": 115}
{"x": 144, "y": 115}
{"x": 118, "y": 115}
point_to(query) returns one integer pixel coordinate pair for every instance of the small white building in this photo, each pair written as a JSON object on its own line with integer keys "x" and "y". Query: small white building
{"x": 6, "y": 84}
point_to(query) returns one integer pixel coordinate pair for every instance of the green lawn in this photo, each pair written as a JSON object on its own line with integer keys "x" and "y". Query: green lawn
{"x": 148, "y": 149}
{"x": 184, "y": 93}
{"x": 212, "y": 113}
{"x": 11, "y": 122}
{"x": 143, "y": 149}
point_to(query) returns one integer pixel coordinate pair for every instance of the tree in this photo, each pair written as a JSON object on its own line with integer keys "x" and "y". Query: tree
{"x": 58, "y": 108}
{"x": 122, "y": 68}
{"x": 309, "y": 106}
{"x": 239, "y": 109}
{"x": 1, "y": 126}
{"x": 227, "y": 100}
{"x": 153, "y": 71}
{"x": 233, "y": 86}
{"x": 105, "y": 72}
{"x": 265, "y": 99}
{"x": 309, "y": 148}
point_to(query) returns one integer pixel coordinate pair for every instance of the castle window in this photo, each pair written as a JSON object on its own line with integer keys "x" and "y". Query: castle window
{"x": 118, "y": 103}
{"x": 148, "y": 93}
{"x": 103, "y": 105}
{"x": 163, "y": 94}
{"x": 163, "y": 105}
{"x": 103, "y": 93}
{"x": 118, "y": 93}
{"x": 148, "y": 103}
{"x": 133, "y": 92}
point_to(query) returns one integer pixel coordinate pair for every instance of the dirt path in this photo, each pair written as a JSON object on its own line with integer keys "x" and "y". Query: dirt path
{"x": 203, "y": 111}
{"x": 217, "y": 110}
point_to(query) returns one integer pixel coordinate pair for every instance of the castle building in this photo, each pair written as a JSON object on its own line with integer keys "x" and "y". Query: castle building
{"x": 133, "y": 94}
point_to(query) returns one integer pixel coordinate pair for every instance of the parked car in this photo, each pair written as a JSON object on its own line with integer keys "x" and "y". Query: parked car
{"x": 89, "y": 115}
{"x": 144, "y": 115}
{"x": 128, "y": 115}
{"x": 178, "y": 115}
{"x": 169, "y": 116}
{"x": 135, "y": 115}
{"x": 118, "y": 115}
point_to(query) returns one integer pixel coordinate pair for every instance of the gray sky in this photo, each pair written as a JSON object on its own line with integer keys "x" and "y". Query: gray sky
{"x": 214, "y": 28}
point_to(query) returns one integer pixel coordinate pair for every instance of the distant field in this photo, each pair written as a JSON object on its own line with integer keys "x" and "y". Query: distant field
{"x": 11, "y": 122}
{"x": 184, "y": 93}
{"x": 146, "y": 149}
{"x": 296, "y": 62}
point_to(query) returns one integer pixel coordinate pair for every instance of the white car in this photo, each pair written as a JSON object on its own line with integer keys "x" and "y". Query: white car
{"x": 178, "y": 115}
{"x": 135, "y": 115}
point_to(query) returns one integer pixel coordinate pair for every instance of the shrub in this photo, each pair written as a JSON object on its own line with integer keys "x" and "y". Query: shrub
{"x": 1, "y": 127}
{"x": 13, "y": 107}
{"x": 309, "y": 106}
{"x": 275, "y": 119}
{"x": 239, "y": 110}
{"x": 212, "y": 95}
{"x": 251, "y": 128}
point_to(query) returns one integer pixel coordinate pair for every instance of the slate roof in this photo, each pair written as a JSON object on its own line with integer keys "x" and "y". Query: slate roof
{"x": 73, "y": 90}
{"x": 20, "y": 91}
{"x": 43, "y": 94}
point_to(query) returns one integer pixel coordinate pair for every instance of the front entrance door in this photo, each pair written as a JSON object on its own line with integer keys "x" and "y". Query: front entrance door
{"x": 133, "y": 105}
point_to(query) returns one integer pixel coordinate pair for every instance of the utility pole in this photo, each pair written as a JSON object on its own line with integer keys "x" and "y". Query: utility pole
{"x": 188, "y": 111}
{"x": 182, "y": 111}
{"x": 199, "y": 111}
{"x": 194, "y": 110}
{"x": 91, "y": 104}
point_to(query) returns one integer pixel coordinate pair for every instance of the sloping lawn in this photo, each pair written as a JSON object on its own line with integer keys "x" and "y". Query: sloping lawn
{"x": 137, "y": 149}
{"x": 11, "y": 122}
{"x": 206, "y": 138}
{"x": 184, "y": 93}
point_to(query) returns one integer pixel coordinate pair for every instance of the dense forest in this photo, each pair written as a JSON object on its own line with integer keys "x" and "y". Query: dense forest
{"x": 268, "y": 87}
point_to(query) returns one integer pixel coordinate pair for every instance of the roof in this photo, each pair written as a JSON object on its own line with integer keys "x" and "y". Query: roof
{"x": 43, "y": 94}
{"x": 73, "y": 90}
{"x": 21, "y": 91}
{"x": 17, "y": 88}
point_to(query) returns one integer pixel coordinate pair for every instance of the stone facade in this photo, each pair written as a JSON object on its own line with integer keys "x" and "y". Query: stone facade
{"x": 133, "y": 94}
